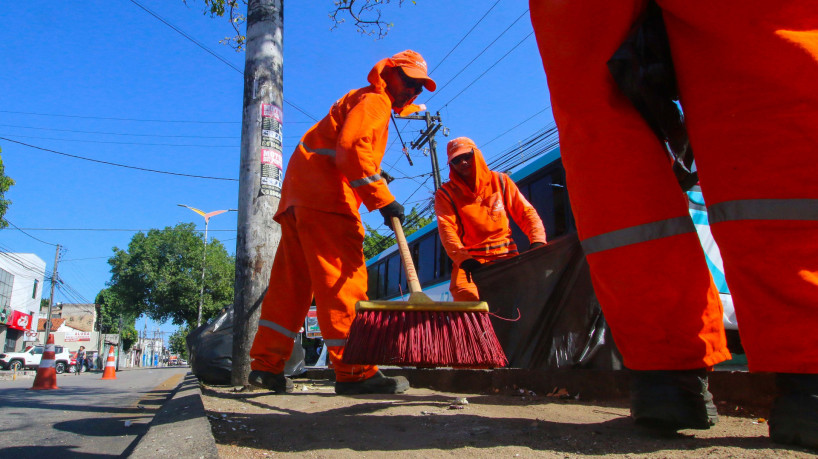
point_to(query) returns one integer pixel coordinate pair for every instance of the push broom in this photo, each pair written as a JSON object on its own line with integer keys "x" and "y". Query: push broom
{"x": 422, "y": 332}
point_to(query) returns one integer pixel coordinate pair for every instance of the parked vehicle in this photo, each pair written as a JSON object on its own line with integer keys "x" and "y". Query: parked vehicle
{"x": 30, "y": 358}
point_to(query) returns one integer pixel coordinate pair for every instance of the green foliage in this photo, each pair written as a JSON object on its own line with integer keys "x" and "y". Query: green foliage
{"x": 375, "y": 243}
{"x": 177, "y": 342}
{"x": 114, "y": 316}
{"x": 160, "y": 275}
{"x": 5, "y": 183}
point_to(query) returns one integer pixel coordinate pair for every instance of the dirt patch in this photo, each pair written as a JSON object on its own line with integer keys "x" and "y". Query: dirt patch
{"x": 509, "y": 422}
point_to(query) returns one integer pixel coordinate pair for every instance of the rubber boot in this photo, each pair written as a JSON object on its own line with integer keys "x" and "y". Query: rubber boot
{"x": 275, "y": 382}
{"x": 794, "y": 416}
{"x": 672, "y": 400}
{"x": 377, "y": 384}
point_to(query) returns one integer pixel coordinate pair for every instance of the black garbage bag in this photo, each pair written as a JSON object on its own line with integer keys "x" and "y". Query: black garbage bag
{"x": 560, "y": 321}
{"x": 211, "y": 351}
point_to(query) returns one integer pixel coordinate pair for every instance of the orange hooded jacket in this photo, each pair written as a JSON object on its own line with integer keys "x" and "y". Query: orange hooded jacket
{"x": 475, "y": 223}
{"x": 336, "y": 165}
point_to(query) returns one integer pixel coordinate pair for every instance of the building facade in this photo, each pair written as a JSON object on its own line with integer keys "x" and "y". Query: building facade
{"x": 22, "y": 276}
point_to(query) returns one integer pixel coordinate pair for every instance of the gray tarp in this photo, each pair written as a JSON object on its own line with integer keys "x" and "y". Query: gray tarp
{"x": 560, "y": 321}
{"x": 211, "y": 351}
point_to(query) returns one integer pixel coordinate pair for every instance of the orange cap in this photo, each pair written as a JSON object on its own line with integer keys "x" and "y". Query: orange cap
{"x": 414, "y": 66}
{"x": 459, "y": 146}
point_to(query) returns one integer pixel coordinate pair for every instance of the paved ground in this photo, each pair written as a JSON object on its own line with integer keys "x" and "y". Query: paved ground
{"x": 86, "y": 417}
{"x": 507, "y": 413}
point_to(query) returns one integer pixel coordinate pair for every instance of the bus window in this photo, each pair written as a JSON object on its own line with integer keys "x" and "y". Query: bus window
{"x": 444, "y": 263}
{"x": 542, "y": 198}
{"x": 393, "y": 275}
{"x": 562, "y": 207}
{"x": 372, "y": 281}
{"x": 426, "y": 258}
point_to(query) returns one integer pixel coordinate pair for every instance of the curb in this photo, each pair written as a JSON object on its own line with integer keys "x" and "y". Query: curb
{"x": 180, "y": 428}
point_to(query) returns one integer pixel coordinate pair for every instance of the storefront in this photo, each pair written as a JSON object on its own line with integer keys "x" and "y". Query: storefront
{"x": 17, "y": 324}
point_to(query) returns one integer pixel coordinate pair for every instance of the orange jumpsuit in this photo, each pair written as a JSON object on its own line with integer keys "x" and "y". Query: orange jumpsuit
{"x": 335, "y": 167}
{"x": 747, "y": 73}
{"x": 474, "y": 223}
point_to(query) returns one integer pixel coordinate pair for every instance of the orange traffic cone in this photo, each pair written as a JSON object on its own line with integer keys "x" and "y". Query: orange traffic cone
{"x": 110, "y": 365}
{"x": 46, "y": 373}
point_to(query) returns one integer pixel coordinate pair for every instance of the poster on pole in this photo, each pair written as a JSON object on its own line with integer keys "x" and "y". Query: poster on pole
{"x": 272, "y": 172}
{"x": 311, "y": 329}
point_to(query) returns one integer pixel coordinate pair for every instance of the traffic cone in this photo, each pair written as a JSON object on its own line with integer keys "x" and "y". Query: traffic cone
{"x": 46, "y": 373}
{"x": 110, "y": 365}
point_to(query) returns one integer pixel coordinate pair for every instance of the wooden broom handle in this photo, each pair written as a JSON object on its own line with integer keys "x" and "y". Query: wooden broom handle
{"x": 406, "y": 257}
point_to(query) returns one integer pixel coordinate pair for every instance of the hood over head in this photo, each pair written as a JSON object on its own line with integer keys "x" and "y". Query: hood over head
{"x": 462, "y": 145}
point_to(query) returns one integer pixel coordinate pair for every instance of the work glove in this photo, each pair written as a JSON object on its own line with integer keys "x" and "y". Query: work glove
{"x": 388, "y": 178}
{"x": 393, "y": 209}
{"x": 469, "y": 266}
{"x": 534, "y": 245}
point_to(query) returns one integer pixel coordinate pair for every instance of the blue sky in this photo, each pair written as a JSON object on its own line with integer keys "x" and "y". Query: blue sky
{"x": 108, "y": 81}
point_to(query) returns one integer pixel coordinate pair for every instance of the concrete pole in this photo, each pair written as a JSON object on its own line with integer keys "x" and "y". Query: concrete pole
{"x": 260, "y": 174}
{"x": 51, "y": 300}
{"x": 204, "y": 266}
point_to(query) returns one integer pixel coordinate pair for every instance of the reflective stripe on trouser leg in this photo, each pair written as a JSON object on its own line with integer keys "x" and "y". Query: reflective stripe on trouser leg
{"x": 333, "y": 246}
{"x": 286, "y": 303}
{"x": 657, "y": 295}
{"x": 763, "y": 149}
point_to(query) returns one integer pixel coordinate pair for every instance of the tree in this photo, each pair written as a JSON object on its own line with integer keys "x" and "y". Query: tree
{"x": 5, "y": 183}
{"x": 366, "y": 16}
{"x": 375, "y": 243}
{"x": 177, "y": 342}
{"x": 113, "y": 316}
{"x": 160, "y": 274}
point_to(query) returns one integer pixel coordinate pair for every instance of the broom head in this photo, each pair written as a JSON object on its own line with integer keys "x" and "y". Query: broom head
{"x": 421, "y": 332}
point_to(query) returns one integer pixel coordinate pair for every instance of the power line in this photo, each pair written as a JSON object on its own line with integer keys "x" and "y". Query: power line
{"x": 464, "y": 37}
{"x": 112, "y": 229}
{"x": 32, "y": 237}
{"x": 120, "y": 119}
{"x": 211, "y": 52}
{"x": 517, "y": 125}
{"x": 144, "y": 169}
{"x": 123, "y": 143}
{"x": 120, "y": 133}
{"x": 480, "y": 54}
{"x": 488, "y": 69}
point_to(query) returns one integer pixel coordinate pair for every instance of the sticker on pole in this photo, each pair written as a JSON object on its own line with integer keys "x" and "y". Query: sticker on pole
{"x": 272, "y": 172}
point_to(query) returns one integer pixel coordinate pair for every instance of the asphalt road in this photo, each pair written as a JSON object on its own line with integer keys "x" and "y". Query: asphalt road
{"x": 86, "y": 417}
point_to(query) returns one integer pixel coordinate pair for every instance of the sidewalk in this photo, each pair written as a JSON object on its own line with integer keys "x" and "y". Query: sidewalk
{"x": 475, "y": 413}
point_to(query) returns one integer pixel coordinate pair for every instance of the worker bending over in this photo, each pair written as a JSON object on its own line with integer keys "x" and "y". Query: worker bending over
{"x": 473, "y": 210}
{"x": 746, "y": 72}
{"x": 335, "y": 168}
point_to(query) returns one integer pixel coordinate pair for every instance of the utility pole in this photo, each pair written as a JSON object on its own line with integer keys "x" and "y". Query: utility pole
{"x": 260, "y": 174}
{"x": 51, "y": 300}
{"x": 433, "y": 124}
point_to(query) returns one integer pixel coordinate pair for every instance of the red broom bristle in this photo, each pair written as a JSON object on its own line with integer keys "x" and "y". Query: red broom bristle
{"x": 424, "y": 338}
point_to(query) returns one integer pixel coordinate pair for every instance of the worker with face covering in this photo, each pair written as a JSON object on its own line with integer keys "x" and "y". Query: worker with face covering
{"x": 746, "y": 73}
{"x": 473, "y": 216}
{"x": 334, "y": 169}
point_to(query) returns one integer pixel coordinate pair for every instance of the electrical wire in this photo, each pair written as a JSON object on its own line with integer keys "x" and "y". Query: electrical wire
{"x": 464, "y": 36}
{"x": 120, "y": 133}
{"x": 122, "y": 143}
{"x": 32, "y": 237}
{"x": 144, "y": 169}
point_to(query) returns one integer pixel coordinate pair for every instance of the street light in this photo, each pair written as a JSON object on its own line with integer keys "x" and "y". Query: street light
{"x": 206, "y": 216}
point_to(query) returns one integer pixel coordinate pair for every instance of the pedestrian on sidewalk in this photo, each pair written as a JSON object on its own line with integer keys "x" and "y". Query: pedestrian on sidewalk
{"x": 80, "y": 360}
{"x": 335, "y": 167}
{"x": 474, "y": 212}
{"x": 746, "y": 73}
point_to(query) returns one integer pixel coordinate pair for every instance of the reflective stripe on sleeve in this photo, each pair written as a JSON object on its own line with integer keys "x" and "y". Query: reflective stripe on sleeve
{"x": 763, "y": 209}
{"x": 640, "y": 233}
{"x": 276, "y": 327}
{"x": 335, "y": 342}
{"x": 319, "y": 151}
{"x": 365, "y": 180}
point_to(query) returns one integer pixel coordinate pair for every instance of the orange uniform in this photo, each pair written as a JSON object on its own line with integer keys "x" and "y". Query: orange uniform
{"x": 335, "y": 168}
{"x": 474, "y": 221}
{"x": 746, "y": 72}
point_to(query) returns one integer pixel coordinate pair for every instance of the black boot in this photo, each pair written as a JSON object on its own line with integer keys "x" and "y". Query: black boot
{"x": 672, "y": 399}
{"x": 794, "y": 416}
{"x": 275, "y": 382}
{"x": 377, "y": 384}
